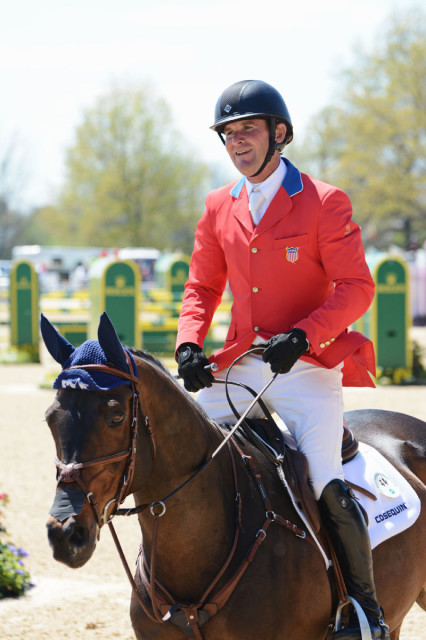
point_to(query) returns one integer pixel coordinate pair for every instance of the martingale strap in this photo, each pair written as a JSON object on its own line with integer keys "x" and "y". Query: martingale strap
{"x": 166, "y": 608}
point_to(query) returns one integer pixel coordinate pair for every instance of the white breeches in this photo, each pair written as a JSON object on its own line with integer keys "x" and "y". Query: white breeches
{"x": 308, "y": 399}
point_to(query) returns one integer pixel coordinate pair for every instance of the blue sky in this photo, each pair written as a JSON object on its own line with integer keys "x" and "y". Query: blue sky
{"x": 58, "y": 56}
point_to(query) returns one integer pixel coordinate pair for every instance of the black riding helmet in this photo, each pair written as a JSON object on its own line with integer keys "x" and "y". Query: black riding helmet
{"x": 253, "y": 99}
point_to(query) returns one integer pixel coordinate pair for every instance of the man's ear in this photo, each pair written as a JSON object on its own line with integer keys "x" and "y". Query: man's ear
{"x": 280, "y": 132}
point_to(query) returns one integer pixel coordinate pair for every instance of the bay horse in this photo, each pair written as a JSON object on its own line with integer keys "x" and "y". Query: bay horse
{"x": 210, "y": 566}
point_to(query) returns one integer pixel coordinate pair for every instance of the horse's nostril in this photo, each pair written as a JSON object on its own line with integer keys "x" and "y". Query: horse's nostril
{"x": 79, "y": 536}
{"x": 75, "y": 533}
{"x": 52, "y": 533}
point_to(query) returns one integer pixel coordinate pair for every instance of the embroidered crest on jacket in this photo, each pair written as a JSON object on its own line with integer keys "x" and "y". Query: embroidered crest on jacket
{"x": 292, "y": 254}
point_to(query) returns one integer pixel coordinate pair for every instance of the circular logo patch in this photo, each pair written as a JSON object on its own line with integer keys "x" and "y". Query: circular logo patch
{"x": 386, "y": 486}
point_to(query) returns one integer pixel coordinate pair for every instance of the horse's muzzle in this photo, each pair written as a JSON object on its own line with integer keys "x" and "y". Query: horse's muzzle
{"x": 72, "y": 541}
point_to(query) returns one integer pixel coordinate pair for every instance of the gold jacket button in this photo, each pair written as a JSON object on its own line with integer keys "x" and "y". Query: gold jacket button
{"x": 255, "y": 328}
{"x": 322, "y": 345}
{"x": 253, "y": 250}
{"x": 327, "y": 343}
{"x": 255, "y": 289}
{"x": 332, "y": 339}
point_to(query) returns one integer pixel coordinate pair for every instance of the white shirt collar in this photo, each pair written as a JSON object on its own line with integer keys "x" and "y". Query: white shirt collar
{"x": 270, "y": 186}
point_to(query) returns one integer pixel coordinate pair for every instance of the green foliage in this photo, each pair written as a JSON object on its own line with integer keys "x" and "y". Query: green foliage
{"x": 396, "y": 376}
{"x": 129, "y": 180}
{"x": 371, "y": 142}
{"x": 14, "y": 579}
{"x": 41, "y": 227}
{"x": 419, "y": 371}
{"x": 402, "y": 376}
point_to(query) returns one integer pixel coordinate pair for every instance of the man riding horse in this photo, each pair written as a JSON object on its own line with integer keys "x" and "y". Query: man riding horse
{"x": 293, "y": 257}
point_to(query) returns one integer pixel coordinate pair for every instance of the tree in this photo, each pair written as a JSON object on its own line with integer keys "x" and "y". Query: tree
{"x": 11, "y": 178}
{"x": 130, "y": 182}
{"x": 41, "y": 227}
{"x": 372, "y": 142}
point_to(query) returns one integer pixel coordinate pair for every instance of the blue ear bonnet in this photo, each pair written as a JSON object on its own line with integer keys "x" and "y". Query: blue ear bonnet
{"x": 90, "y": 352}
{"x": 107, "y": 352}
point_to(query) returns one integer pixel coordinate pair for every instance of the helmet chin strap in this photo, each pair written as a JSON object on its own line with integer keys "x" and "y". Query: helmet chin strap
{"x": 272, "y": 147}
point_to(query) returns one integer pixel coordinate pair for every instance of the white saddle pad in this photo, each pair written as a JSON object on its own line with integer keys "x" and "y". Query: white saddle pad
{"x": 397, "y": 506}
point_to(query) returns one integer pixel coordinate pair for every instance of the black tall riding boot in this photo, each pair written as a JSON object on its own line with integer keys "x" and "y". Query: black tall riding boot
{"x": 346, "y": 527}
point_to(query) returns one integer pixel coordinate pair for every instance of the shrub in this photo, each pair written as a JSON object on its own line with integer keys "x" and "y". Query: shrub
{"x": 14, "y": 579}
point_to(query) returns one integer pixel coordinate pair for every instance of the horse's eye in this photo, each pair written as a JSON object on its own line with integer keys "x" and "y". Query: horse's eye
{"x": 114, "y": 413}
{"x": 117, "y": 419}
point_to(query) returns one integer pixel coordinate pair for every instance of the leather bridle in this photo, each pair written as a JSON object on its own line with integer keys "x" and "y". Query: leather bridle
{"x": 70, "y": 472}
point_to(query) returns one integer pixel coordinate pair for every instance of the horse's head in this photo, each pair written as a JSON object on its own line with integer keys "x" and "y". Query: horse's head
{"x": 93, "y": 420}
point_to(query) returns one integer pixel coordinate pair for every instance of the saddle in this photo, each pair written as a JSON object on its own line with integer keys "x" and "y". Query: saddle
{"x": 281, "y": 449}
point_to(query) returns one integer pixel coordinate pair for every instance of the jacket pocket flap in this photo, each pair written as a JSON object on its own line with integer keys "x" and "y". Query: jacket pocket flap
{"x": 293, "y": 241}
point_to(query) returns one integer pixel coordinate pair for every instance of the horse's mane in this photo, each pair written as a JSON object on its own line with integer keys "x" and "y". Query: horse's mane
{"x": 148, "y": 357}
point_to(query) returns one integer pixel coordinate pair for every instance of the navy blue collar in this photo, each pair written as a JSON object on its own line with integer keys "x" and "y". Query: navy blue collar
{"x": 292, "y": 182}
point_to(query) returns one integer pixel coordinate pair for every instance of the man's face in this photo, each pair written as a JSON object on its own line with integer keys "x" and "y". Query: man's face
{"x": 247, "y": 142}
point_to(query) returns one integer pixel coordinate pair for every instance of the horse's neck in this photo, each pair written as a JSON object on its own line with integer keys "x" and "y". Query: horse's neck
{"x": 183, "y": 436}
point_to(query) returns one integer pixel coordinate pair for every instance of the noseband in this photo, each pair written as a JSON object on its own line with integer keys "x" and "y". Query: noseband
{"x": 71, "y": 472}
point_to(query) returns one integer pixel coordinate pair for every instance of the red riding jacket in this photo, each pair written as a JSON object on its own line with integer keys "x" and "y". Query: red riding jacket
{"x": 302, "y": 266}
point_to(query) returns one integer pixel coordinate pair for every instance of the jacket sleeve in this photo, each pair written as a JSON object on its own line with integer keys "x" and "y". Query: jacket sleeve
{"x": 343, "y": 259}
{"x": 206, "y": 282}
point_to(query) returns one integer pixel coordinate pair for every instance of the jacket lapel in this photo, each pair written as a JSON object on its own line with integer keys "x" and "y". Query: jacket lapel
{"x": 282, "y": 203}
{"x": 240, "y": 206}
{"x": 280, "y": 206}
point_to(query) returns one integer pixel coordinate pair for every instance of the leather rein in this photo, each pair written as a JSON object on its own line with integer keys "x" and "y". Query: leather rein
{"x": 163, "y": 604}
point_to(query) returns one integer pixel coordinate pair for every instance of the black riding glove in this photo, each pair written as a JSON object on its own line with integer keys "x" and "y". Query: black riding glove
{"x": 191, "y": 362}
{"x": 284, "y": 349}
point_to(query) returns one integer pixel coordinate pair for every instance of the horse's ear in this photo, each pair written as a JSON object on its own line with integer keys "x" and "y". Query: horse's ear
{"x": 59, "y": 348}
{"x": 110, "y": 343}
